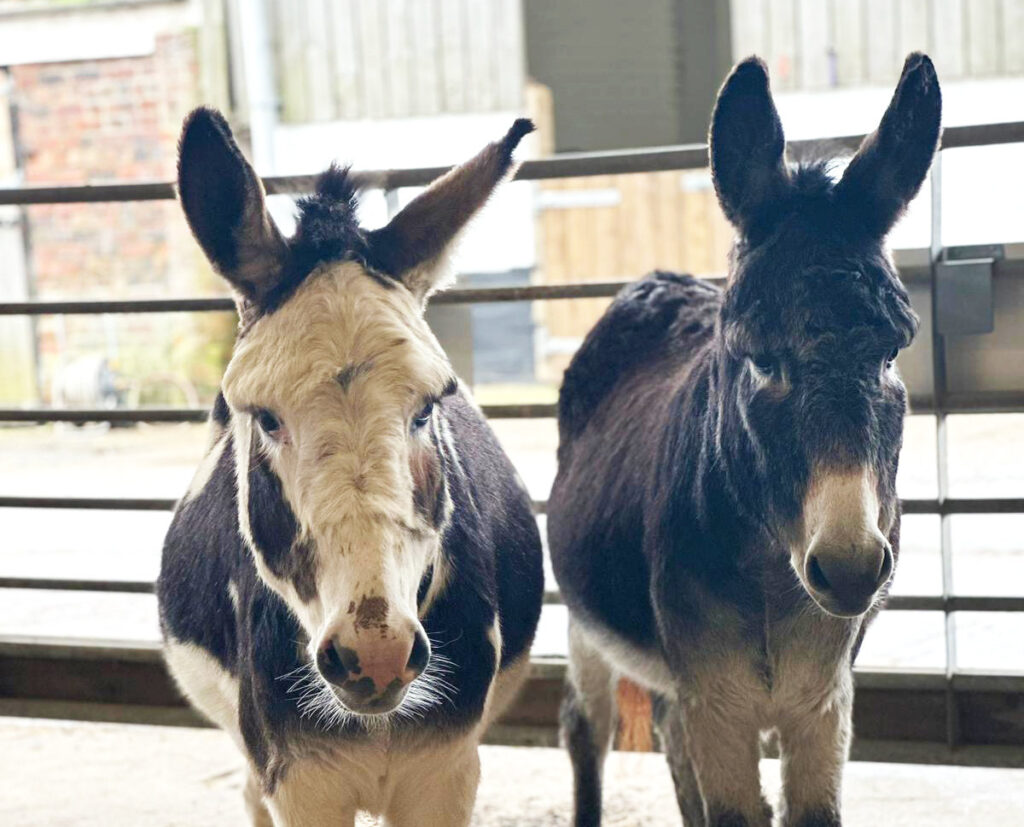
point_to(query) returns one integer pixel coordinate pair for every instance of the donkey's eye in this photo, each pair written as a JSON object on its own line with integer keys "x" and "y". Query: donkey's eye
{"x": 765, "y": 365}
{"x": 892, "y": 357}
{"x": 423, "y": 417}
{"x": 269, "y": 424}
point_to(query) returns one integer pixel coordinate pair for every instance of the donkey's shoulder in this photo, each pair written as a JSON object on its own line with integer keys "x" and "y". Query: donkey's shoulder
{"x": 647, "y": 319}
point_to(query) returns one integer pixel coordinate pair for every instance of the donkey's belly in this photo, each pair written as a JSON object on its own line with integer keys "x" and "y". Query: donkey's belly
{"x": 643, "y": 664}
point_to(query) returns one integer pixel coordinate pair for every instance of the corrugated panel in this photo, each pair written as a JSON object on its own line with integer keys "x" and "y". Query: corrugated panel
{"x": 612, "y": 72}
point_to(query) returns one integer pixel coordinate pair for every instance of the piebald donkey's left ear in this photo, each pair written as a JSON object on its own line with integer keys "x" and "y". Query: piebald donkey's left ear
{"x": 412, "y": 246}
{"x": 224, "y": 204}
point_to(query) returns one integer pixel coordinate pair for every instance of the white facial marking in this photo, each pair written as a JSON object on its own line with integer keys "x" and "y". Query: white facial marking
{"x": 345, "y": 366}
{"x": 843, "y": 505}
{"x": 843, "y": 558}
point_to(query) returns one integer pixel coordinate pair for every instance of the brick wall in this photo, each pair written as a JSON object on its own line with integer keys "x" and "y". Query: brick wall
{"x": 115, "y": 120}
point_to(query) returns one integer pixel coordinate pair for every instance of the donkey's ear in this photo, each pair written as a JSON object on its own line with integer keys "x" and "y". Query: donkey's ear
{"x": 224, "y": 203}
{"x": 747, "y": 146}
{"x": 413, "y": 245}
{"x": 891, "y": 164}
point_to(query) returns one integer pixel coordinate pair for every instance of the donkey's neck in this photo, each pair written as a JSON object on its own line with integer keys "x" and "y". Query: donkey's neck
{"x": 715, "y": 475}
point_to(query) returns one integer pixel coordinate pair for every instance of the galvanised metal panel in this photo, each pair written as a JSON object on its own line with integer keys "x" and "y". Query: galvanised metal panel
{"x": 628, "y": 74}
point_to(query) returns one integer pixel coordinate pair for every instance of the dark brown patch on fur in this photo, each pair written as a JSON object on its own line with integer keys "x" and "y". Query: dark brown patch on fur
{"x": 303, "y": 570}
{"x": 351, "y": 372}
{"x": 372, "y": 612}
{"x": 428, "y": 484}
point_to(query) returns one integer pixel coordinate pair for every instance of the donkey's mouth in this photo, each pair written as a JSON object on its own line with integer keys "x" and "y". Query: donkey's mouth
{"x": 361, "y": 699}
{"x": 840, "y": 608}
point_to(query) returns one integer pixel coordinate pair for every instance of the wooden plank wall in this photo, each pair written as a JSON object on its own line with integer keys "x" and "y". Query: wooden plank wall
{"x": 348, "y": 59}
{"x": 636, "y": 224}
{"x": 612, "y": 228}
{"x": 817, "y": 44}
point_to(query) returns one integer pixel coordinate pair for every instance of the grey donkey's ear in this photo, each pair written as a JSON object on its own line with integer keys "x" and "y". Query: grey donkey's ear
{"x": 413, "y": 245}
{"x": 747, "y": 147}
{"x": 891, "y": 164}
{"x": 225, "y": 207}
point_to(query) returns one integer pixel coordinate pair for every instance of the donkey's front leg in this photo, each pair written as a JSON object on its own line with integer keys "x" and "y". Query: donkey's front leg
{"x": 814, "y": 743}
{"x": 721, "y": 731}
{"x": 668, "y": 719}
{"x": 255, "y": 806}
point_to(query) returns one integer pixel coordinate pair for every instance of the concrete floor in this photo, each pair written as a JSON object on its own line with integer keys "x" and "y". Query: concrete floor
{"x": 87, "y": 775}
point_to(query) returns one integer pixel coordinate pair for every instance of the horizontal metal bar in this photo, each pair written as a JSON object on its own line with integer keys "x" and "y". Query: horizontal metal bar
{"x": 906, "y": 260}
{"x": 71, "y": 585}
{"x": 982, "y": 402}
{"x": 91, "y": 503}
{"x": 80, "y": 415}
{"x": 568, "y": 165}
{"x": 954, "y": 603}
{"x": 902, "y": 603}
{"x": 979, "y": 505}
{"x": 469, "y": 295}
{"x": 96, "y": 306}
{"x": 982, "y": 134}
{"x": 530, "y": 410}
{"x": 974, "y": 404}
{"x": 537, "y": 292}
{"x": 170, "y": 415}
{"x": 957, "y": 506}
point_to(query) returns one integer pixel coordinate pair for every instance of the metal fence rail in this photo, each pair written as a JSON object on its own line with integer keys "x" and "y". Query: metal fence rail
{"x": 567, "y": 165}
{"x": 976, "y": 709}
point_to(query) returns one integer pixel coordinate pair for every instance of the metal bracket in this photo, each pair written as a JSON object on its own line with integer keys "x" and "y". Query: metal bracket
{"x": 963, "y": 289}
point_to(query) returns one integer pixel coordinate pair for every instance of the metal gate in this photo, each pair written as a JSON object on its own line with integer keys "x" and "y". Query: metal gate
{"x": 952, "y": 715}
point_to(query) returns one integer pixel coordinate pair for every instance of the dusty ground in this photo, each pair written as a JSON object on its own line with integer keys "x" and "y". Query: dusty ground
{"x": 93, "y": 775}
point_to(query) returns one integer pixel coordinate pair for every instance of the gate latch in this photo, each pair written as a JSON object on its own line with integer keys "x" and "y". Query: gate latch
{"x": 963, "y": 289}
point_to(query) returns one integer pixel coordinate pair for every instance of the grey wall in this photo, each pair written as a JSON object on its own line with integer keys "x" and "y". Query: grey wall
{"x": 628, "y": 74}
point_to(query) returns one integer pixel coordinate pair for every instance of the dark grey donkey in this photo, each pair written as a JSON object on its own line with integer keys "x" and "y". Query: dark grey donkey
{"x": 724, "y": 523}
{"x": 352, "y": 582}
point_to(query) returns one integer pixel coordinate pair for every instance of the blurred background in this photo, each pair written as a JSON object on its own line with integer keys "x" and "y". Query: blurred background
{"x": 94, "y": 92}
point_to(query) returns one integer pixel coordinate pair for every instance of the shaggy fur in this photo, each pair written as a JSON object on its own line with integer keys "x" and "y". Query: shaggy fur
{"x": 724, "y": 521}
{"x": 351, "y": 585}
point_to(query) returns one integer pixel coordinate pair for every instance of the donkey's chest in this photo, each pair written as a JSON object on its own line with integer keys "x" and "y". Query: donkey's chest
{"x": 806, "y": 661}
{"x": 775, "y": 663}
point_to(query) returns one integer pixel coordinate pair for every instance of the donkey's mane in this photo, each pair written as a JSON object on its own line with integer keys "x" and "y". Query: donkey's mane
{"x": 327, "y": 229}
{"x": 813, "y": 176}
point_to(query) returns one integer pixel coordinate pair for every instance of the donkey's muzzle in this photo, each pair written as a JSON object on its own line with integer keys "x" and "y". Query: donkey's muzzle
{"x": 373, "y": 677}
{"x": 844, "y": 578}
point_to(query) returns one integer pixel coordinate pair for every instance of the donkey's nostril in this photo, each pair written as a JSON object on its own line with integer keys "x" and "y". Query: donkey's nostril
{"x": 337, "y": 663}
{"x": 816, "y": 575}
{"x": 886, "y": 566}
{"x": 419, "y": 655}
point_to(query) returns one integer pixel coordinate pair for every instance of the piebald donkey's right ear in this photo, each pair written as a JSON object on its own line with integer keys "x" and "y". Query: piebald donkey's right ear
{"x": 224, "y": 204}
